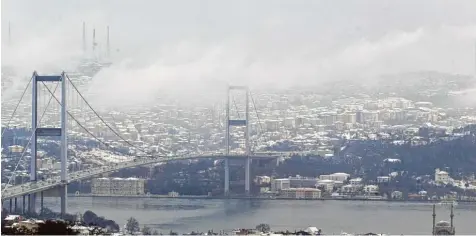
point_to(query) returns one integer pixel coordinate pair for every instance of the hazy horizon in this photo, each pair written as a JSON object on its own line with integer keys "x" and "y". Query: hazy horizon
{"x": 192, "y": 47}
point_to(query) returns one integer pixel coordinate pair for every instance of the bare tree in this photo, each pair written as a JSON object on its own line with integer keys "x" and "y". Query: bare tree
{"x": 132, "y": 225}
{"x": 263, "y": 228}
{"x": 146, "y": 230}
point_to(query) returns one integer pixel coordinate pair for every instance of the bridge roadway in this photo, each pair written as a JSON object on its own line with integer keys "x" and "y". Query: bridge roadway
{"x": 42, "y": 185}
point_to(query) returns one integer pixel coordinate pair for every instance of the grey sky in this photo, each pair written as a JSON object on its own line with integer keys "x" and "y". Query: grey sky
{"x": 283, "y": 43}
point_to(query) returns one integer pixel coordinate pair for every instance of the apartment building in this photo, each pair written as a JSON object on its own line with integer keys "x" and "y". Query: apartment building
{"x": 117, "y": 186}
{"x": 301, "y": 193}
{"x": 279, "y": 184}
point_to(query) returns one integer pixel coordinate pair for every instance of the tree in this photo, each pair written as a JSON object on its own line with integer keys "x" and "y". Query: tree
{"x": 263, "y": 228}
{"x": 51, "y": 227}
{"x": 132, "y": 225}
{"x": 91, "y": 219}
{"x": 146, "y": 230}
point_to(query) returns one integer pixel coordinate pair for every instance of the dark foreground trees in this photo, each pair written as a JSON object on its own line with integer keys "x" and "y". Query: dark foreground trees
{"x": 91, "y": 219}
{"x": 100, "y": 225}
{"x": 49, "y": 227}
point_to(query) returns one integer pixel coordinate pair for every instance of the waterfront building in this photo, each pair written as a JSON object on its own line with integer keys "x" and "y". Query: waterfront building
{"x": 260, "y": 180}
{"x": 350, "y": 189}
{"x": 371, "y": 189}
{"x": 279, "y": 184}
{"x": 302, "y": 182}
{"x": 326, "y": 184}
{"x": 117, "y": 186}
{"x": 396, "y": 195}
{"x": 301, "y": 193}
{"x": 101, "y": 186}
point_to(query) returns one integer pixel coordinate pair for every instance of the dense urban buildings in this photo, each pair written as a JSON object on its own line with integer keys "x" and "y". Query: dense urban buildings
{"x": 300, "y": 122}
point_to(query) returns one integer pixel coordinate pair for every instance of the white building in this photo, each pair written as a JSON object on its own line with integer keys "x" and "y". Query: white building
{"x": 350, "y": 188}
{"x": 117, "y": 186}
{"x": 326, "y": 184}
{"x": 262, "y": 180}
{"x": 371, "y": 189}
{"x": 397, "y": 195}
{"x": 383, "y": 179}
{"x": 101, "y": 186}
{"x": 441, "y": 176}
{"x": 15, "y": 149}
{"x": 302, "y": 182}
{"x": 356, "y": 181}
{"x": 301, "y": 193}
{"x": 279, "y": 184}
{"x": 336, "y": 177}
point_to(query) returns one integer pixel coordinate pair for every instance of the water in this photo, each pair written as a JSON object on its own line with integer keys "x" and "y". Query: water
{"x": 183, "y": 215}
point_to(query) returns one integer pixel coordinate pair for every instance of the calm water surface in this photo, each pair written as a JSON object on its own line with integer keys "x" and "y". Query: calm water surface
{"x": 183, "y": 215}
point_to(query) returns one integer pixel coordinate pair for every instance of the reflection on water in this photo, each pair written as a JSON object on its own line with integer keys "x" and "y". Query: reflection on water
{"x": 186, "y": 215}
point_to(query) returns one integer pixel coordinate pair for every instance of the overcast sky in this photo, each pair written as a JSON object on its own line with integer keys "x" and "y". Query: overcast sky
{"x": 193, "y": 45}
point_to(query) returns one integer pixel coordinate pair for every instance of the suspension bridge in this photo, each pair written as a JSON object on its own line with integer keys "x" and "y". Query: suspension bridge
{"x": 74, "y": 117}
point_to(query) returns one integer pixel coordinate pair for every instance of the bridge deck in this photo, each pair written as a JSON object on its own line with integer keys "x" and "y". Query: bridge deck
{"x": 31, "y": 187}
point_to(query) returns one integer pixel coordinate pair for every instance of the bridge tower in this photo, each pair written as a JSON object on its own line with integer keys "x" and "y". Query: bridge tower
{"x": 237, "y": 122}
{"x": 61, "y": 132}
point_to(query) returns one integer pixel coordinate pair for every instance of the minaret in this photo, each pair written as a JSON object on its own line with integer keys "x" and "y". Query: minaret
{"x": 434, "y": 219}
{"x": 451, "y": 216}
{"x": 94, "y": 44}
{"x": 108, "y": 51}
{"x": 84, "y": 37}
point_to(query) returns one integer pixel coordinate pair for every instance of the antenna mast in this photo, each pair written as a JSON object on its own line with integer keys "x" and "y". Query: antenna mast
{"x": 9, "y": 34}
{"x": 94, "y": 40}
{"x": 108, "y": 51}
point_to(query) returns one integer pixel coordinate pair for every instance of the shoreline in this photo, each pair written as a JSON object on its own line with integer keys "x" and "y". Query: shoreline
{"x": 263, "y": 198}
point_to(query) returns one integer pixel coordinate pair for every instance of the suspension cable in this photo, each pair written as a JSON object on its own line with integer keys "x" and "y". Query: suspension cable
{"x": 257, "y": 116}
{"x": 29, "y": 141}
{"x": 16, "y": 107}
{"x": 256, "y": 111}
{"x": 236, "y": 107}
{"x": 102, "y": 120}
{"x": 71, "y": 115}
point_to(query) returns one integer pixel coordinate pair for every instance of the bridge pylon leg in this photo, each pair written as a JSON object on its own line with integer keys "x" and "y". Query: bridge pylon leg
{"x": 11, "y": 205}
{"x": 227, "y": 177}
{"x": 41, "y": 202}
{"x": 64, "y": 199}
{"x": 16, "y": 208}
{"x": 247, "y": 175}
{"x": 24, "y": 205}
{"x": 31, "y": 202}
